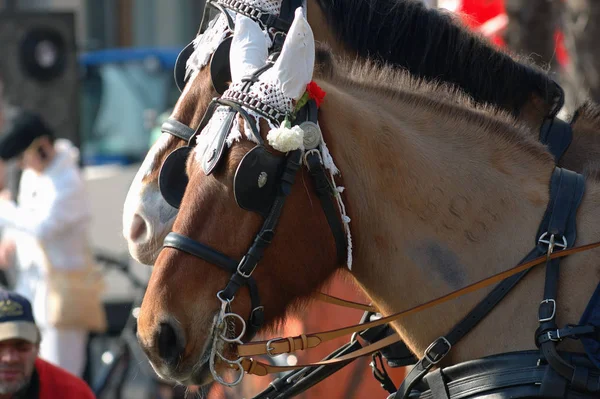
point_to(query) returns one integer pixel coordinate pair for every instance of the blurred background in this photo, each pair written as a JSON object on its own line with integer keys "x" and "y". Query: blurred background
{"x": 111, "y": 85}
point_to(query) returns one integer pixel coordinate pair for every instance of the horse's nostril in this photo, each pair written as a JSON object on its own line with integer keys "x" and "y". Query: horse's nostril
{"x": 170, "y": 344}
{"x": 138, "y": 228}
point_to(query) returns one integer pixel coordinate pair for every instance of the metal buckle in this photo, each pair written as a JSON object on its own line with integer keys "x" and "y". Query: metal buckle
{"x": 552, "y": 242}
{"x": 557, "y": 339}
{"x": 553, "y": 310}
{"x": 241, "y": 273}
{"x": 313, "y": 151}
{"x": 427, "y": 355}
{"x": 269, "y": 348}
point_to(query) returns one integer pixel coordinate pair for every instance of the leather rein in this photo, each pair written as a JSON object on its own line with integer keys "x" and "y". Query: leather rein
{"x": 292, "y": 344}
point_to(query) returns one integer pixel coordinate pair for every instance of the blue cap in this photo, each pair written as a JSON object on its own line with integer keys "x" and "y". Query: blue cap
{"x": 16, "y": 318}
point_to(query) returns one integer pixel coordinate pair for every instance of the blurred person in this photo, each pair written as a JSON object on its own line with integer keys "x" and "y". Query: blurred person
{"x": 49, "y": 225}
{"x": 22, "y": 373}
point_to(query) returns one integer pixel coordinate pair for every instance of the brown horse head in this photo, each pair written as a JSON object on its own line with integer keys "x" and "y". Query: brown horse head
{"x": 178, "y": 320}
{"x": 147, "y": 217}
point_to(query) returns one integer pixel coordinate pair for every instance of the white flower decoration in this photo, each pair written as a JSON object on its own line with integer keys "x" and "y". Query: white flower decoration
{"x": 286, "y": 139}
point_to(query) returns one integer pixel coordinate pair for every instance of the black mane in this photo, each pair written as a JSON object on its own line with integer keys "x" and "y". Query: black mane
{"x": 433, "y": 45}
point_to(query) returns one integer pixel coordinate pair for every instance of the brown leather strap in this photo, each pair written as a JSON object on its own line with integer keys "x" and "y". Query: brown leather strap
{"x": 283, "y": 345}
{"x": 261, "y": 369}
{"x": 345, "y": 303}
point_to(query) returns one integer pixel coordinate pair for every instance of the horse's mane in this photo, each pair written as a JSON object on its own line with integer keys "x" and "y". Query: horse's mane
{"x": 433, "y": 44}
{"x": 445, "y": 100}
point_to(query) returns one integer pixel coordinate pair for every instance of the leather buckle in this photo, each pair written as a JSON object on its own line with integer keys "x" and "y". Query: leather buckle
{"x": 436, "y": 358}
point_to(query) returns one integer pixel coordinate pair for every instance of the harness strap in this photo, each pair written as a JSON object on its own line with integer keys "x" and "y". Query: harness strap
{"x": 438, "y": 385}
{"x": 281, "y": 345}
{"x": 506, "y": 375}
{"x": 570, "y": 331}
{"x": 177, "y": 129}
{"x": 566, "y": 190}
{"x": 380, "y": 374}
{"x": 192, "y": 247}
{"x": 343, "y": 302}
{"x": 441, "y": 347}
{"x": 263, "y": 238}
{"x": 557, "y": 135}
{"x": 300, "y": 380}
{"x": 559, "y": 229}
{"x": 324, "y": 192}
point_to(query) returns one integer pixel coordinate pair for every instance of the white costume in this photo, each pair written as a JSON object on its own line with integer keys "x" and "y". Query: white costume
{"x": 53, "y": 209}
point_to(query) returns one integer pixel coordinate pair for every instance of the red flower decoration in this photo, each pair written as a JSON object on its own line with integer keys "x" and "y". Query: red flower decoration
{"x": 315, "y": 92}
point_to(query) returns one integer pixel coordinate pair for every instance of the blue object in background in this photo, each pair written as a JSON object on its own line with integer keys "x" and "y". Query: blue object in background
{"x": 124, "y": 91}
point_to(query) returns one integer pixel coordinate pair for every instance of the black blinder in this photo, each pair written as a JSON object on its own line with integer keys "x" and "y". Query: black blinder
{"x": 172, "y": 179}
{"x": 220, "y": 70}
{"x": 180, "y": 64}
{"x": 255, "y": 180}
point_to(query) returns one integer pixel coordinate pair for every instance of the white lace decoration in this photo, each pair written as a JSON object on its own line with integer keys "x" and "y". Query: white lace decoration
{"x": 333, "y": 170}
{"x": 206, "y": 43}
{"x": 268, "y": 6}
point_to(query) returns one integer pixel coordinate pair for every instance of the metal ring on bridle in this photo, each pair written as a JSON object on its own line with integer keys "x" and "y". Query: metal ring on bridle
{"x": 238, "y": 366}
{"x": 238, "y": 338}
{"x": 227, "y": 301}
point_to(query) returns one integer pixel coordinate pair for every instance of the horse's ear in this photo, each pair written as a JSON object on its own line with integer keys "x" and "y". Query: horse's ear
{"x": 249, "y": 48}
{"x": 293, "y": 70}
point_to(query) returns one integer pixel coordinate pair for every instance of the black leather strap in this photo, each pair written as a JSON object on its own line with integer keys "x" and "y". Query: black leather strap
{"x": 573, "y": 332}
{"x": 267, "y": 231}
{"x": 195, "y": 248}
{"x": 557, "y": 134}
{"x": 570, "y": 189}
{"x": 507, "y": 375}
{"x": 325, "y": 193}
{"x": 438, "y": 385}
{"x": 553, "y": 386}
{"x": 177, "y": 129}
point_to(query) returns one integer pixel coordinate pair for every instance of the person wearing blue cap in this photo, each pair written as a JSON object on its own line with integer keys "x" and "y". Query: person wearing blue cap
{"x": 22, "y": 373}
{"x": 47, "y": 228}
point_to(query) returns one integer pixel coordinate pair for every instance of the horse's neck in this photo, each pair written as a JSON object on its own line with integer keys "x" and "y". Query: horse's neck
{"x": 436, "y": 205}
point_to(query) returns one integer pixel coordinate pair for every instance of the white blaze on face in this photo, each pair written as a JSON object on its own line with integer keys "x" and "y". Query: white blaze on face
{"x": 134, "y": 202}
{"x": 145, "y": 200}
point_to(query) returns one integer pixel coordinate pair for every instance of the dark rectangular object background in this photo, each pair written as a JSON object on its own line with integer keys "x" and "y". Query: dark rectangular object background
{"x": 58, "y": 100}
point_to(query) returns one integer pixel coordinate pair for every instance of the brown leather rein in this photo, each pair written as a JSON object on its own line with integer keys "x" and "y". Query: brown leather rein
{"x": 304, "y": 341}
